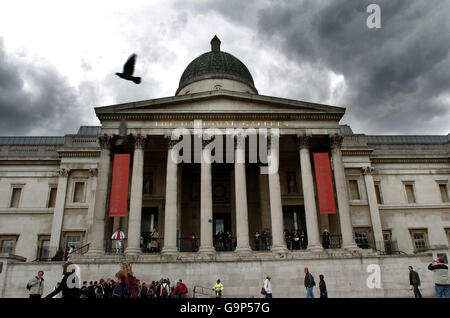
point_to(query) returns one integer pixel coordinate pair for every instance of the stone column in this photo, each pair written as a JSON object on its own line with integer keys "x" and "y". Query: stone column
{"x": 312, "y": 224}
{"x": 373, "y": 208}
{"x": 137, "y": 179}
{"x": 243, "y": 245}
{"x": 171, "y": 209}
{"x": 348, "y": 240}
{"x": 101, "y": 197}
{"x": 58, "y": 211}
{"x": 93, "y": 172}
{"x": 206, "y": 203}
{"x": 276, "y": 208}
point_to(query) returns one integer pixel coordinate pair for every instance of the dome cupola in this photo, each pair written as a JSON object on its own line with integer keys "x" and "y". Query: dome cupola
{"x": 216, "y": 70}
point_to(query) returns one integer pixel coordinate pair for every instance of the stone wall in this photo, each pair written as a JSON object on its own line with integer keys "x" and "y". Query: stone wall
{"x": 345, "y": 277}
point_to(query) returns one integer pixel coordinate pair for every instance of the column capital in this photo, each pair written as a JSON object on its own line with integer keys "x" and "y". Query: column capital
{"x": 367, "y": 170}
{"x": 336, "y": 141}
{"x": 170, "y": 142}
{"x": 105, "y": 141}
{"x": 93, "y": 172}
{"x": 140, "y": 141}
{"x": 63, "y": 172}
{"x": 206, "y": 142}
{"x": 303, "y": 141}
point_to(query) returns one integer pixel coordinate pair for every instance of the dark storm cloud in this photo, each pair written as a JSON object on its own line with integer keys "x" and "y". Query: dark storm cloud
{"x": 35, "y": 99}
{"x": 398, "y": 77}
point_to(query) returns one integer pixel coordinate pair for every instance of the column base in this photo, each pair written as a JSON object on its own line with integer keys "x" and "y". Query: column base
{"x": 351, "y": 247}
{"x": 279, "y": 249}
{"x": 92, "y": 252}
{"x": 169, "y": 251}
{"x": 315, "y": 248}
{"x": 243, "y": 250}
{"x": 133, "y": 251}
{"x": 207, "y": 250}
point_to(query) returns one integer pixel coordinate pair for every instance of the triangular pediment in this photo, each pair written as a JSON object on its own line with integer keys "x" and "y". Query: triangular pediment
{"x": 220, "y": 102}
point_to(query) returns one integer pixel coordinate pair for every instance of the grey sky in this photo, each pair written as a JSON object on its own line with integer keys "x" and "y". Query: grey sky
{"x": 58, "y": 62}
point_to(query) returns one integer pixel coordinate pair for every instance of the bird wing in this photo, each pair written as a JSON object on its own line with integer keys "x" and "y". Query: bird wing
{"x": 128, "y": 68}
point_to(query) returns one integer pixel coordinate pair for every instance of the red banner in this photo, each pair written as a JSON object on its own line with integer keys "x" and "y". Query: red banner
{"x": 119, "y": 185}
{"x": 324, "y": 183}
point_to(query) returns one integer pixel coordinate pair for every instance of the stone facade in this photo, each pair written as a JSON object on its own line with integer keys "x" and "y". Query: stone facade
{"x": 391, "y": 193}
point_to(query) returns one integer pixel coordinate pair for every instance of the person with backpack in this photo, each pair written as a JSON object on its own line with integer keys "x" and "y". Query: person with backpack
{"x": 121, "y": 290}
{"x": 309, "y": 283}
{"x": 164, "y": 289}
{"x": 322, "y": 287}
{"x": 36, "y": 285}
{"x": 441, "y": 280}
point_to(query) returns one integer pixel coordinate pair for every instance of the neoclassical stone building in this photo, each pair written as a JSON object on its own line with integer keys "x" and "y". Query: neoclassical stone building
{"x": 390, "y": 193}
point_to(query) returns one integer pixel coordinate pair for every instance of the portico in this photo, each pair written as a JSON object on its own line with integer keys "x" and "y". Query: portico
{"x": 303, "y": 129}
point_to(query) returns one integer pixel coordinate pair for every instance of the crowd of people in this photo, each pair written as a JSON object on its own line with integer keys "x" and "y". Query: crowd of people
{"x": 126, "y": 285}
{"x": 297, "y": 239}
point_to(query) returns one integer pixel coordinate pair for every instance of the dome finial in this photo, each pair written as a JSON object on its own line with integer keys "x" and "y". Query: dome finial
{"x": 215, "y": 44}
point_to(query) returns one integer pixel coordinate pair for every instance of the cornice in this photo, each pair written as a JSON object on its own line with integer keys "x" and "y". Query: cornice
{"x": 223, "y": 116}
{"x": 75, "y": 153}
{"x": 410, "y": 160}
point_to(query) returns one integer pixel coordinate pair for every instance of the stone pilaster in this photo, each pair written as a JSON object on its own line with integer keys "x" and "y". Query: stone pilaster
{"x": 312, "y": 223}
{"x": 101, "y": 197}
{"x": 58, "y": 211}
{"x": 373, "y": 207}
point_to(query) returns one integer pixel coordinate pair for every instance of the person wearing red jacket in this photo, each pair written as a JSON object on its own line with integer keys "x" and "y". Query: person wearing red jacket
{"x": 181, "y": 290}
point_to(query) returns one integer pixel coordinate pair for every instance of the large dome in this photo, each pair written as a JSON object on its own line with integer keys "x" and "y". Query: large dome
{"x": 216, "y": 64}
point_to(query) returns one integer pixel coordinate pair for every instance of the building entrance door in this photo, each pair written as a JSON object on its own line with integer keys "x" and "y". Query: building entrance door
{"x": 149, "y": 221}
{"x": 222, "y": 221}
{"x": 294, "y": 223}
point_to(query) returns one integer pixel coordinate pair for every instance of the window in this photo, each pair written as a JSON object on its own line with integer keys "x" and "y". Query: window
{"x": 448, "y": 235}
{"x": 43, "y": 248}
{"x": 8, "y": 244}
{"x": 52, "y": 198}
{"x": 377, "y": 193}
{"x": 362, "y": 237}
{"x": 15, "y": 197}
{"x": 73, "y": 239}
{"x": 420, "y": 240}
{"x": 409, "y": 188}
{"x": 444, "y": 192}
{"x": 354, "y": 190}
{"x": 78, "y": 193}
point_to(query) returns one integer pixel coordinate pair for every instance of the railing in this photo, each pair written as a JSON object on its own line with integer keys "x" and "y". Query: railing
{"x": 335, "y": 241}
{"x": 261, "y": 243}
{"x": 151, "y": 245}
{"x": 387, "y": 248}
{"x": 115, "y": 246}
{"x": 224, "y": 245}
{"x": 81, "y": 250}
{"x": 364, "y": 243}
{"x": 203, "y": 292}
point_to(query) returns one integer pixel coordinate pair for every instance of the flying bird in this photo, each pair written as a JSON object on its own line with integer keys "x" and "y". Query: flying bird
{"x": 128, "y": 70}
